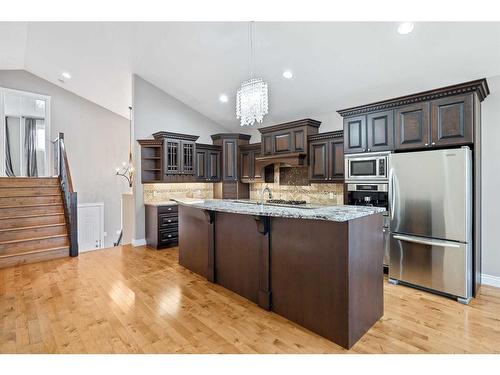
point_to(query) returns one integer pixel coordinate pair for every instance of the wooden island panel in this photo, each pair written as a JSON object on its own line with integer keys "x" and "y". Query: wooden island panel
{"x": 237, "y": 249}
{"x": 324, "y": 275}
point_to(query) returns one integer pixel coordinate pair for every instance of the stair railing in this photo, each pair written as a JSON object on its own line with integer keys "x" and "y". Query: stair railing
{"x": 61, "y": 170}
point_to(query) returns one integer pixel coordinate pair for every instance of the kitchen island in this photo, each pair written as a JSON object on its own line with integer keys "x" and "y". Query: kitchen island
{"x": 320, "y": 267}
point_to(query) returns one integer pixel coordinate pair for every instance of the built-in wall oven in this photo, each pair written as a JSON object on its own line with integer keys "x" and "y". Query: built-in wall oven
{"x": 367, "y": 167}
{"x": 372, "y": 194}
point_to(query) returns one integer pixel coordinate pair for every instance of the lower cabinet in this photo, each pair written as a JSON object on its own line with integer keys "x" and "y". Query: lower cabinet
{"x": 326, "y": 157}
{"x": 162, "y": 226}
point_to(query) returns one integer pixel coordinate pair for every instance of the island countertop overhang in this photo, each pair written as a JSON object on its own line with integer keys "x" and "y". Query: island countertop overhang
{"x": 336, "y": 213}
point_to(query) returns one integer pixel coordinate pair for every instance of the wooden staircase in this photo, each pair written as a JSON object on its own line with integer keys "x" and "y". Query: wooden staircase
{"x": 32, "y": 221}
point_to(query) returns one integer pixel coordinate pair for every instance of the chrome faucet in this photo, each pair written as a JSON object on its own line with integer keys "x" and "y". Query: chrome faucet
{"x": 262, "y": 194}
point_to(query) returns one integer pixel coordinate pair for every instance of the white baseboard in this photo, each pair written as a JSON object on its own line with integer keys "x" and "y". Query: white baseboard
{"x": 490, "y": 280}
{"x": 140, "y": 242}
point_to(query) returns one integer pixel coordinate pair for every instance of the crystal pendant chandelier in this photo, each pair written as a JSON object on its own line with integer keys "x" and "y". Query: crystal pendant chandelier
{"x": 252, "y": 96}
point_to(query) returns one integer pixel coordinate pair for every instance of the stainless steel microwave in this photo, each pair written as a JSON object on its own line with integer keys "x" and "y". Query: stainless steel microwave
{"x": 367, "y": 167}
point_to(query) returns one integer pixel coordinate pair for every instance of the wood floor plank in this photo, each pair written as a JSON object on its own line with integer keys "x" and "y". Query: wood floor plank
{"x": 138, "y": 300}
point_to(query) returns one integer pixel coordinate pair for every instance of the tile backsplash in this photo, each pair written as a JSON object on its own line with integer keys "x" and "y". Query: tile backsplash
{"x": 292, "y": 183}
{"x": 164, "y": 192}
{"x": 289, "y": 183}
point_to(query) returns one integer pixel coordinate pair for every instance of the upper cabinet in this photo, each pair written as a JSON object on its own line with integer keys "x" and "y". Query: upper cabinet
{"x": 436, "y": 118}
{"x": 412, "y": 126}
{"x": 179, "y": 152}
{"x": 287, "y": 138}
{"x": 207, "y": 163}
{"x": 326, "y": 157}
{"x": 380, "y": 131}
{"x": 250, "y": 170}
{"x": 369, "y": 133}
{"x": 452, "y": 120}
{"x": 355, "y": 134}
{"x": 151, "y": 160}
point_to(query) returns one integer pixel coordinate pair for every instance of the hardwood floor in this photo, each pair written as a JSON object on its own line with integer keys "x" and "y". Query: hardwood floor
{"x": 137, "y": 300}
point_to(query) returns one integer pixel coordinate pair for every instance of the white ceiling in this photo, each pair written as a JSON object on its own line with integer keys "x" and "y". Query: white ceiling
{"x": 335, "y": 65}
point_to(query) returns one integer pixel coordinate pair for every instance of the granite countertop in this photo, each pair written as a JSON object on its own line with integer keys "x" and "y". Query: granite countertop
{"x": 163, "y": 203}
{"x": 314, "y": 212}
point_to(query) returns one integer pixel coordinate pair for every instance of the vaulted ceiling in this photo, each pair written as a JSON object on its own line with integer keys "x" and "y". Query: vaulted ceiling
{"x": 335, "y": 65}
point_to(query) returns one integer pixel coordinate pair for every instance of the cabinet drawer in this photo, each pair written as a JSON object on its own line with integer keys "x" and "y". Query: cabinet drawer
{"x": 168, "y": 209}
{"x": 165, "y": 220}
{"x": 166, "y": 236}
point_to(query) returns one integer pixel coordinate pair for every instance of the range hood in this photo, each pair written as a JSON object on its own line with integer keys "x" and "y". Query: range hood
{"x": 295, "y": 159}
{"x": 286, "y": 144}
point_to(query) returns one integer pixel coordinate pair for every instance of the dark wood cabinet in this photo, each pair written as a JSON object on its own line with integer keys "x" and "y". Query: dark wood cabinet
{"x": 380, "y": 131}
{"x": 326, "y": 157}
{"x": 151, "y": 160}
{"x": 318, "y": 158}
{"x": 355, "y": 134}
{"x": 207, "y": 163}
{"x": 162, "y": 226}
{"x": 336, "y": 159}
{"x": 179, "y": 153}
{"x": 230, "y": 162}
{"x": 250, "y": 169}
{"x": 452, "y": 120}
{"x": 231, "y": 187}
{"x": 412, "y": 126}
{"x": 371, "y": 133}
{"x": 287, "y": 138}
{"x": 188, "y": 149}
{"x": 213, "y": 166}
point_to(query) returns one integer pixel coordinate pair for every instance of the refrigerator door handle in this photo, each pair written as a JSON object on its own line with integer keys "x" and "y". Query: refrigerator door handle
{"x": 391, "y": 194}
{"x": 423, "y": 241}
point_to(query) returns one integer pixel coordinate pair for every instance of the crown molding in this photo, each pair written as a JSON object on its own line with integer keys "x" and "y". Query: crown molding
{"x": 182, "y": 137}
{"x": 327, "y": 135}
{"x": 480, "y": 87}
{"x": 291, "y": 124}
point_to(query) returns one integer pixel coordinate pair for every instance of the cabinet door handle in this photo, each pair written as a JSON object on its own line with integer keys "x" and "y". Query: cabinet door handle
{"x": 364, "y": 149}
{"x": 426, "y": 144}
{"x": 169, "y": 221}
{"x": 369, "y": 149}
{"x": 169, "y": 236}
{"x": 433, "y": 143}
{"x": 170, "y": 209}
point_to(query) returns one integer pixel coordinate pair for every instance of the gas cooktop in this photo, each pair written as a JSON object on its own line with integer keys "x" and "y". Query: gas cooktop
{"x": 288, "y": 202}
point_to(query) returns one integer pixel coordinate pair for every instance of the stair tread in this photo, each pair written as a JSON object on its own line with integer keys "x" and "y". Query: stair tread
{"x": 33, "y": 227}
{"x": 34, "y": 252}
{"x": 29, "y": 187}
{"x": 30, "y": 216}
{"x": 30, "y": 196}
{"x": 33, "y": 239}
{"x": 33, "y": 205}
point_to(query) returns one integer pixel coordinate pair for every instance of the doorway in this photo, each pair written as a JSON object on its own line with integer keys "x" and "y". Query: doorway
{"x": 24, "y": 134}
{"x": 90, "y": 226}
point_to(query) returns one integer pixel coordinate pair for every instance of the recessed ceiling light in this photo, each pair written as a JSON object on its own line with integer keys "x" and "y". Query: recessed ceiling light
{"x": 66, "y": 75}
{"x": 287, "y": 74}
{"x": 223, "y": 98}
{"x": 405, "y": 28}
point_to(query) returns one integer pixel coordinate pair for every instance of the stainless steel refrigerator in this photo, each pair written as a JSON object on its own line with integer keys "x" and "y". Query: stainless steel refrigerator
{"x": 430, "y": 195}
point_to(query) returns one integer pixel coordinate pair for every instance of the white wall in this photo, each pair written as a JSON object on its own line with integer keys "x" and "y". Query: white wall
{"x": 490, "y": 110}
{"x": 96, "y": 141}
{"x": 155, "y": 110}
